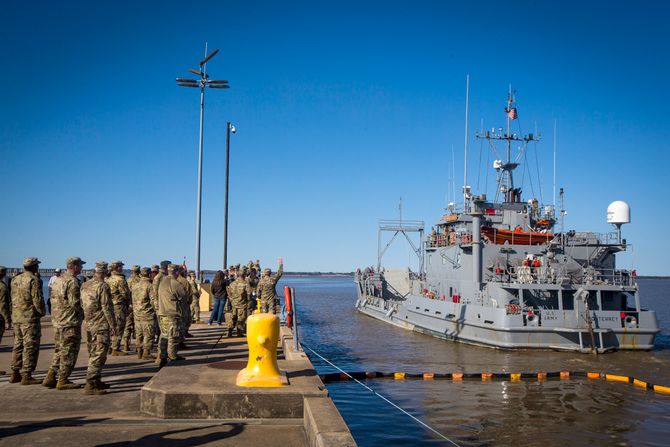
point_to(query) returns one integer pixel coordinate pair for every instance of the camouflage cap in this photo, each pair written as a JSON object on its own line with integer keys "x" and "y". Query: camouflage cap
{"x": 74, "y": 260}
{"x": 135, "y": 268}
{"x": 155, "y": 268}
{"x": 115, "y": 263}
{"x": 29, "y": 262}
{"x": 172, "y": 267}
{"x": 266, "y": 271}
{"x": 165, "y": 264}
{"x": 145, "y": 271}
{"x": 100, "y": 267}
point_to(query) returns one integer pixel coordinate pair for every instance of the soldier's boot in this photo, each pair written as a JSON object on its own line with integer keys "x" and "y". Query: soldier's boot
{"x": 50, "y": 380}
{"x": 15, "y": 377}
{"x": 101, "y": 385}
{"x": 230, "y": 333}
{"x": 162, "y": 363}
{"x": 27, "y": 379}
{"x": 65, "y": 384}
{"x": 109, "y": 351}
{"x": 146, "y": 354}
{"x": 177, "y": 358}
{"x": 126, "y": 347}
{"x": 239, "y": 333}
{"x": 117, "y": 353}
{"x": 92, "y": 390}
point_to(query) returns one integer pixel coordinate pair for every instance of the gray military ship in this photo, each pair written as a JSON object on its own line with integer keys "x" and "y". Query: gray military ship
{"x": 496, "y": 273}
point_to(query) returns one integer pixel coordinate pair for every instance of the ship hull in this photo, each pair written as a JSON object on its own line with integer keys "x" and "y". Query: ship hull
{"x": 489, "y": 327}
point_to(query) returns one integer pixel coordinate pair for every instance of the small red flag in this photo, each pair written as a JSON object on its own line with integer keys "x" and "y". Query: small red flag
{"x": 183, "y": 266}
{"x": 511, "y": 113}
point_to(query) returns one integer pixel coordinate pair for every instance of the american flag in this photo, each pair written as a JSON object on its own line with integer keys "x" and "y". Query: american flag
{"x": 511, "y": 113}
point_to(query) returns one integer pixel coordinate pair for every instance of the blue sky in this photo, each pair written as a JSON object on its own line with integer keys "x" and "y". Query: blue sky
{"x": 341, "y": 109}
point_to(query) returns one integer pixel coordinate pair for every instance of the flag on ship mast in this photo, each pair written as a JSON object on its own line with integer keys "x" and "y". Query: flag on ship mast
{"x": 511, "y": 113}
{"x": 183, "y": 266}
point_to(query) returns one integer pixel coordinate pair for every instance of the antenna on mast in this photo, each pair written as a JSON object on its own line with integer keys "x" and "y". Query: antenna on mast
{"x": 554, "y": 163}
{"x": 465, "y": 161}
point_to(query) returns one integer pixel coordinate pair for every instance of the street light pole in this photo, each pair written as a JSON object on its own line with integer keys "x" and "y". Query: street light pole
{"x": 229, "y": 128}
{"x": 202, "y": 82}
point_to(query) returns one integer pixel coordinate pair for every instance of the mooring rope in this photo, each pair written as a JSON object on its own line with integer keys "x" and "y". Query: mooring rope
{"x": 380, "y": 396}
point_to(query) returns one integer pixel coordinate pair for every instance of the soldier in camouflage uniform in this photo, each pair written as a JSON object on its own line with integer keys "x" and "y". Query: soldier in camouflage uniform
{"x": 144, "y": 314}
{"x": 129, "y": 330}
{"x": 96, "y": 299}
{"x": 66, "y": 317}
{"x": 5, "y": 306}
{"x": 171, "y": 294}
{"x": 252, "y": 280}
{"x": 266, "y": 292}
{"x": 238, "y": 299}
{"x": 185, "y": 308}
{"x": 155, "y": 283}
{"x": 121, "y": 299}
{"x": 195, "y": 293}
{"x": 27, "y": 309}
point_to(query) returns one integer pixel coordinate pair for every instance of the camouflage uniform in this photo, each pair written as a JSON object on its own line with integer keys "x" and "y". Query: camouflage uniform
{"x": 155, "y": 283}
{"x": 266, "y": 292}
{"x": 96, "y": 300}
{"x": 252, "y": 280}
{"x": 5, "y": 305}
{"x": 129, "y": 330}
{"x": 121, "y": 299}
{"x": 238, "y": 295}
{"x": 195, "y": 304}
{"x": 66, "y": 317}
{"x": 171, "y": 294}
{"x": 144, "y": 315}
{"x": 185, "y": 307}
{"x": 27, "y": 309}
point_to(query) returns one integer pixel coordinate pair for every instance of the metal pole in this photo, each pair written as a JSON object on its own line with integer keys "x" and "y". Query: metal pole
{"x": 225, "y": 212}
{"x": 198, "y": 212}
{"x": 296, "y": 343}
{"x": 465, "y": 157}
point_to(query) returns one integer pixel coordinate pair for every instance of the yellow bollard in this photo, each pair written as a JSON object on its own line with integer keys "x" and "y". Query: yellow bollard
{"x": 262, "y": 337}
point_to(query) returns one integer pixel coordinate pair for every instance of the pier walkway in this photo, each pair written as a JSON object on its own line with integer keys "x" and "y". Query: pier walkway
{"x": 35, "y": 415}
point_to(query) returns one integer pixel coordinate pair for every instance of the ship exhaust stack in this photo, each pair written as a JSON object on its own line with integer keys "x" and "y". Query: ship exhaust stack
{"x": 618, "y": 213}
{"x": 477, "y": 248}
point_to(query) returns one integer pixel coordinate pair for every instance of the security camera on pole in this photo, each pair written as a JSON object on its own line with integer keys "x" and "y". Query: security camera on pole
{"x": 203, "y": 82}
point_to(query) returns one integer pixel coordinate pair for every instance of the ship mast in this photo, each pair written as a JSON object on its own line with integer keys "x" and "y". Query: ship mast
{"x": 506, "y": 178}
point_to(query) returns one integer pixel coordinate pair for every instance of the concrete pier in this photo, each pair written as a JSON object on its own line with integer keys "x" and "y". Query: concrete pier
{"x": 187, "y": 403}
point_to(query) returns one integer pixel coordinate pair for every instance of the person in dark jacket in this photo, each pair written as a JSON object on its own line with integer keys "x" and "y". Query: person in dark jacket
{"x": 220, "y": 295}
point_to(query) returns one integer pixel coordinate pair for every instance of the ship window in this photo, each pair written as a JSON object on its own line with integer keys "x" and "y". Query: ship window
{"x": 568, "y": 299}
{"x": 613, "y": 300}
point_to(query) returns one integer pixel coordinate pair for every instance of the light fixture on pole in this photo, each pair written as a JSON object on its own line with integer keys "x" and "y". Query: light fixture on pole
{"x": 229, "y": 128}
{"x": 203, "y": 82}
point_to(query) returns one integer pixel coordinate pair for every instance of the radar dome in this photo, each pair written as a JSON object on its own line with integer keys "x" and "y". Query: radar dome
{"x": 618, "y": 212}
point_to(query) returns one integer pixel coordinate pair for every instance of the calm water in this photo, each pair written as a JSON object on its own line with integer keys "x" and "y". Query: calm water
{"x": 475, "y": 413}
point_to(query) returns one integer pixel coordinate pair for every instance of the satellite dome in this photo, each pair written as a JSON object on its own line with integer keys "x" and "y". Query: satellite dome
{"x": 618, "y": 212}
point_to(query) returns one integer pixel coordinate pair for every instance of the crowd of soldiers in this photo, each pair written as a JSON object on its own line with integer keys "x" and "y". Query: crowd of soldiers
{"x": 157, "y": 304}
{"x": 244, "y": 291}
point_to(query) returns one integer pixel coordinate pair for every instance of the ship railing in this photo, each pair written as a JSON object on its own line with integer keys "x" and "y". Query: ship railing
{"x": 448, "y": 239}
{"x": 550, "y": 275}
{"x": 589, "y": 238}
